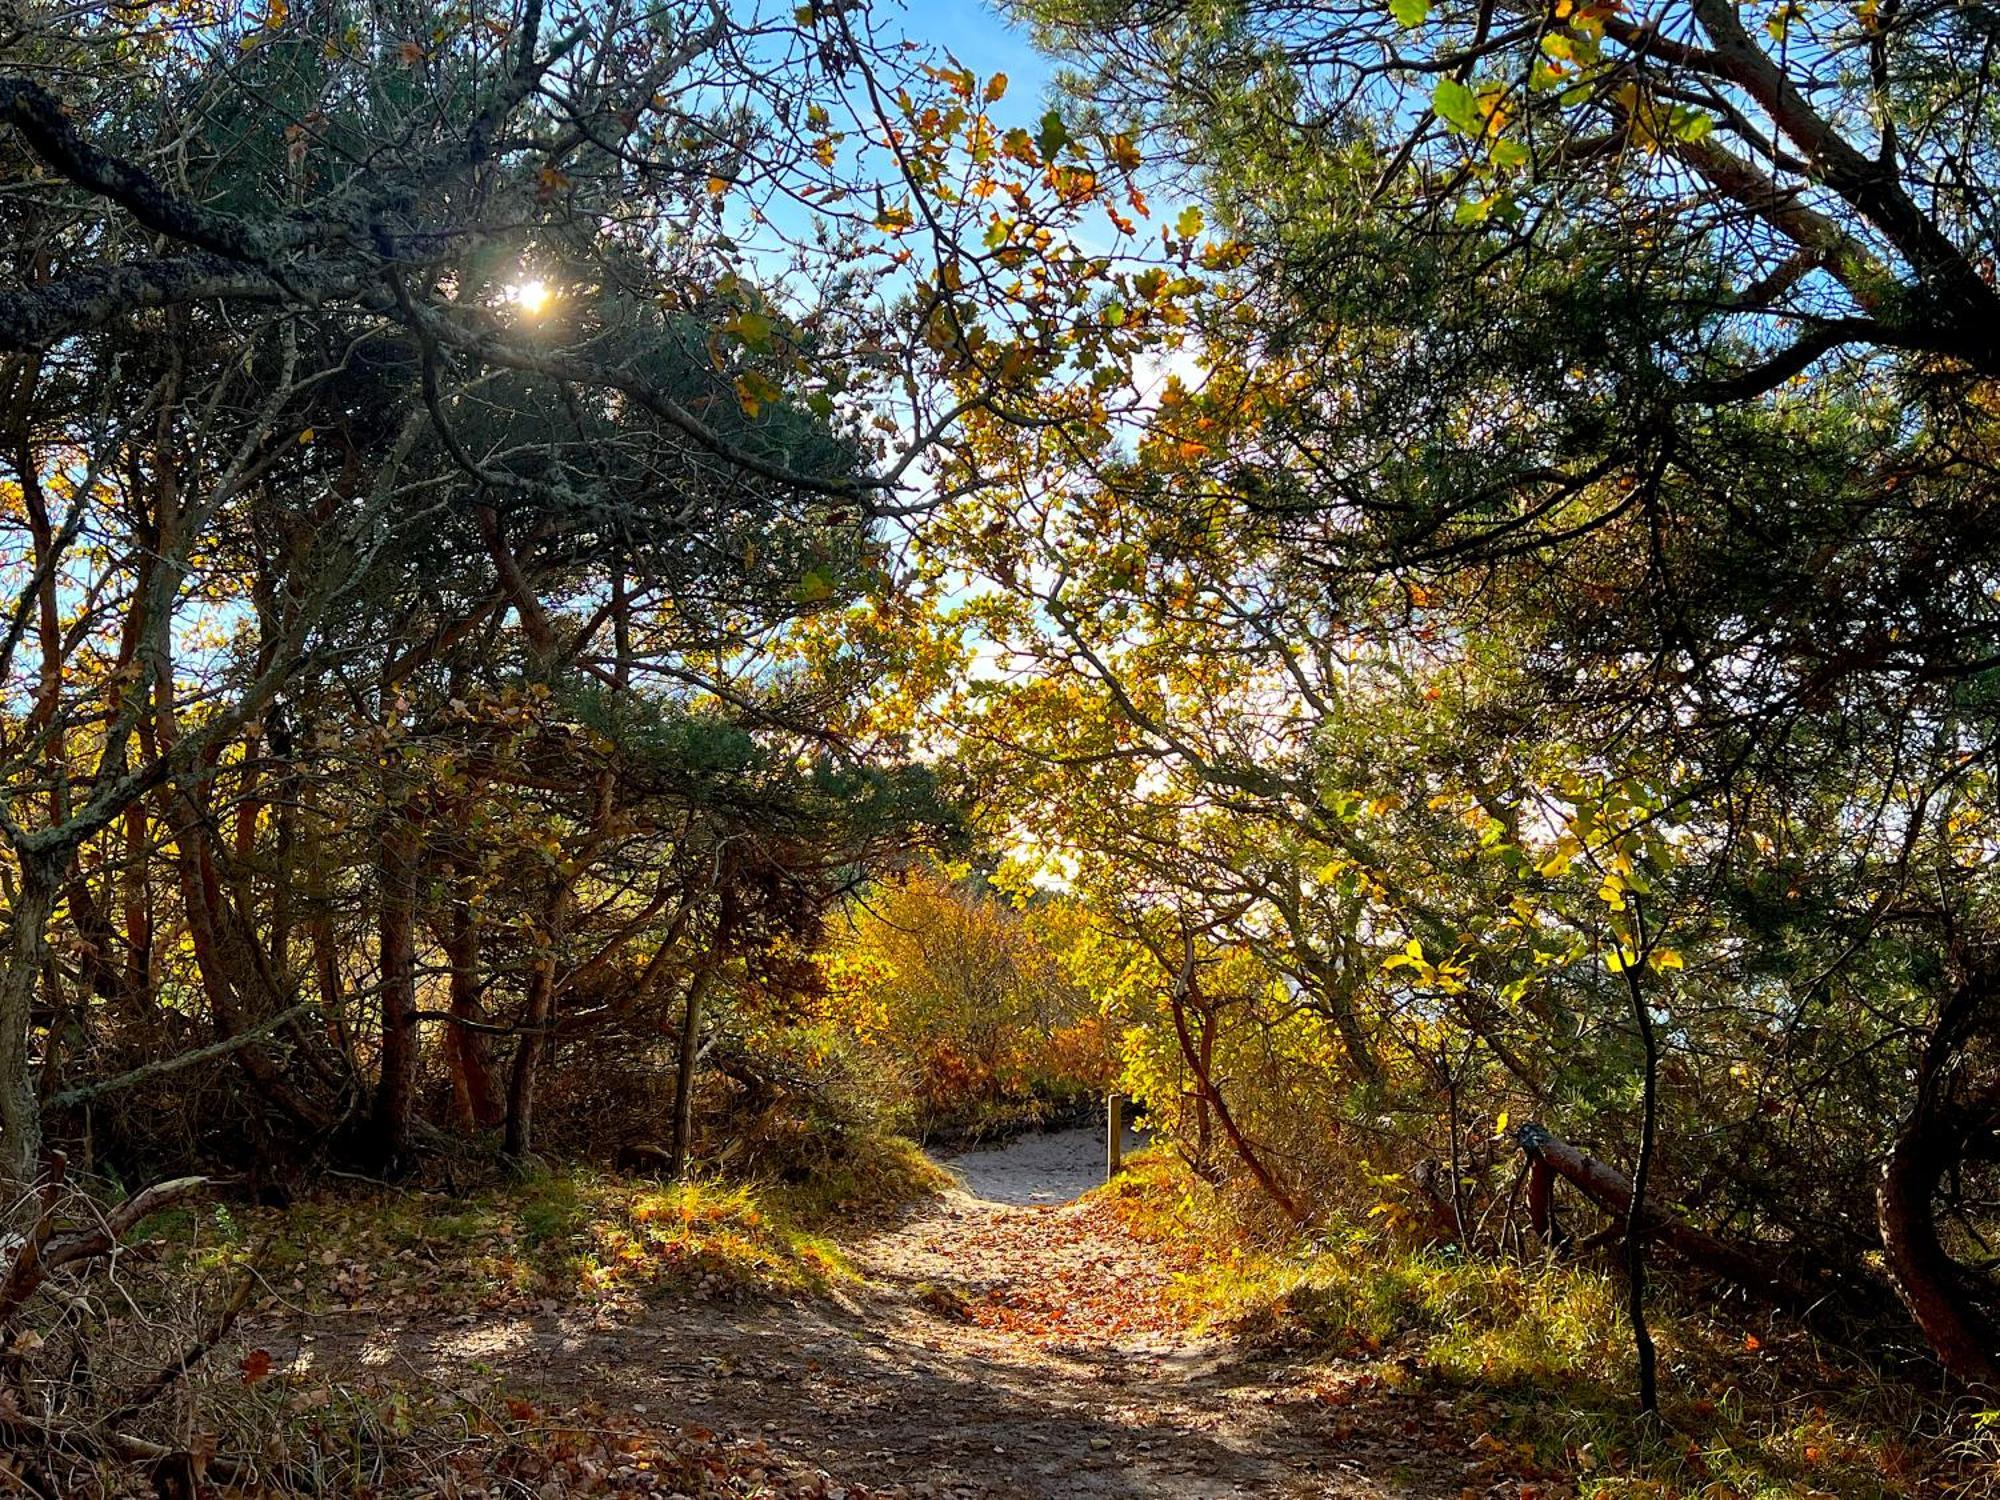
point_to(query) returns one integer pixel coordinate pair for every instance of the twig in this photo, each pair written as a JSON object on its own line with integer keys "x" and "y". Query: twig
{"x": 178, "y": 1368}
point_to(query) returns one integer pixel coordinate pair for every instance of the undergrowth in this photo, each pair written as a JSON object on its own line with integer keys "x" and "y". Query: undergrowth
{"x": 1537, "y": 1356}
{"x": 577, "y": 1241}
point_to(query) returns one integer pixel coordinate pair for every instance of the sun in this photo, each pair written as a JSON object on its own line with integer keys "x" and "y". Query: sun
{"x": 531, "y": 297}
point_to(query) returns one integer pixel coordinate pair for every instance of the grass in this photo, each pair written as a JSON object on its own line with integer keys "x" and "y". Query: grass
{"x": 575, "y": 1235}
{"x": 1534, "y": 1359}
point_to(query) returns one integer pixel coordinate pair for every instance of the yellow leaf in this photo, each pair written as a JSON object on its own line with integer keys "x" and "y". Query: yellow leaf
{"x": 1667, "y": 958}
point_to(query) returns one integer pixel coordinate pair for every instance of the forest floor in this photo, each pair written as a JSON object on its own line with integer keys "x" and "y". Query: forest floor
{"x": 1001, "y": 1341}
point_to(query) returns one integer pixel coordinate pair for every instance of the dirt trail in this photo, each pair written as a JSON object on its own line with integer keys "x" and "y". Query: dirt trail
{"x": 999, "y": 1350}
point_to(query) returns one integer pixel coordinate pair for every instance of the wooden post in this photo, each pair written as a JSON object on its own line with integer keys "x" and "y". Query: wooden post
{"x": 1114, "y": 1135}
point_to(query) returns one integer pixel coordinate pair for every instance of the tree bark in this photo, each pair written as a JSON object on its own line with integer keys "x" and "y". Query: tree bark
{"x": 20, "y": 978}
{"x": 1204, "y": 1123}
{"x": 1185, "y": 992}
{"x": 1611, "y": 1191}
{"x": 1642, "y": 1169}
{"x": 519, "y": 1139}
{"x": 229, "y": 966}
{"x": 477, "y": 1097}
{"x": 691, "y": 1019}
{"x": 396, "y": 1081}
{"x": 1933, "y": 1139}
{"x": 537, "y": 1020}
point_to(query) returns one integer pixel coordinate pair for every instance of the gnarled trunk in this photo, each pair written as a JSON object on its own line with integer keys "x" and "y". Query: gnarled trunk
{"x": 1611, "y": 1190}
{"x": 1945, "y": 1121}
{"x": 537, "y": 1022}
{"x": 1186, "y": 991}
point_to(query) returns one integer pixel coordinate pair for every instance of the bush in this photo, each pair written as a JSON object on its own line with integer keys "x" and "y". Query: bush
{"x": 960, "y": 1017}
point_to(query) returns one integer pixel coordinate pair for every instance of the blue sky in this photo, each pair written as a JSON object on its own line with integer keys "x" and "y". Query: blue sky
{"x": 982, "y": 40}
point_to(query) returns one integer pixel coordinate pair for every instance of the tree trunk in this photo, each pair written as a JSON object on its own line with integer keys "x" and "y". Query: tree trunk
{"x": 1642, "y": 1168}
{"x": 1932, "y": 1141}
{"x": 538, "y": 1023}
{"x": 1611, "y": 1191}
{"x": 520, "y": 1136}
{"x": 477, "y": 1098}
{"x": 229, "y": 967}
{"x": 136, "y": 896}
{"x": 225, "y": 952}
{"x": 20, "y": 977}
{"x": 690, "y": 1057}
{"x": 684, "y": 1075}
{"x": 1965, "y": 1341}
{"x": 396, "y": 1081}
{"x": 1204, "y": 1123}
{"x": 1184, "y": 993}
{"x": 538, "y": 1016}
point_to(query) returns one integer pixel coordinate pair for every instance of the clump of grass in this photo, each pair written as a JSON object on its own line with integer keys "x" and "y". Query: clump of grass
{"x": 1535, "y": 1359}
{"x": 592, "y": 1235}
{"x": 709, "y": 1235}
{"x": 874, "y": 1176}
{"x": 571, "y": 1235}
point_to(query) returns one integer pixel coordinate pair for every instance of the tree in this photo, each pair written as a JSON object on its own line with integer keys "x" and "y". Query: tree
{"x": 386, "y": 390}
{"x": 1584, "y": 398}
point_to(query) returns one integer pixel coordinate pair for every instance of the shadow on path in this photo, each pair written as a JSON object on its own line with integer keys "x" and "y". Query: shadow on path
{"x": 1003, "y": 1349}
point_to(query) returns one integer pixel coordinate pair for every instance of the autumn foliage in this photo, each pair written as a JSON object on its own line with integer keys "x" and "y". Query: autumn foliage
{"x": 1411, "y": 586}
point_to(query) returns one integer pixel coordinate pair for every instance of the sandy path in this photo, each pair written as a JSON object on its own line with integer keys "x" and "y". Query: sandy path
{"x": 1055, "y": 1168}
{"x": 1000, "y": 1350}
